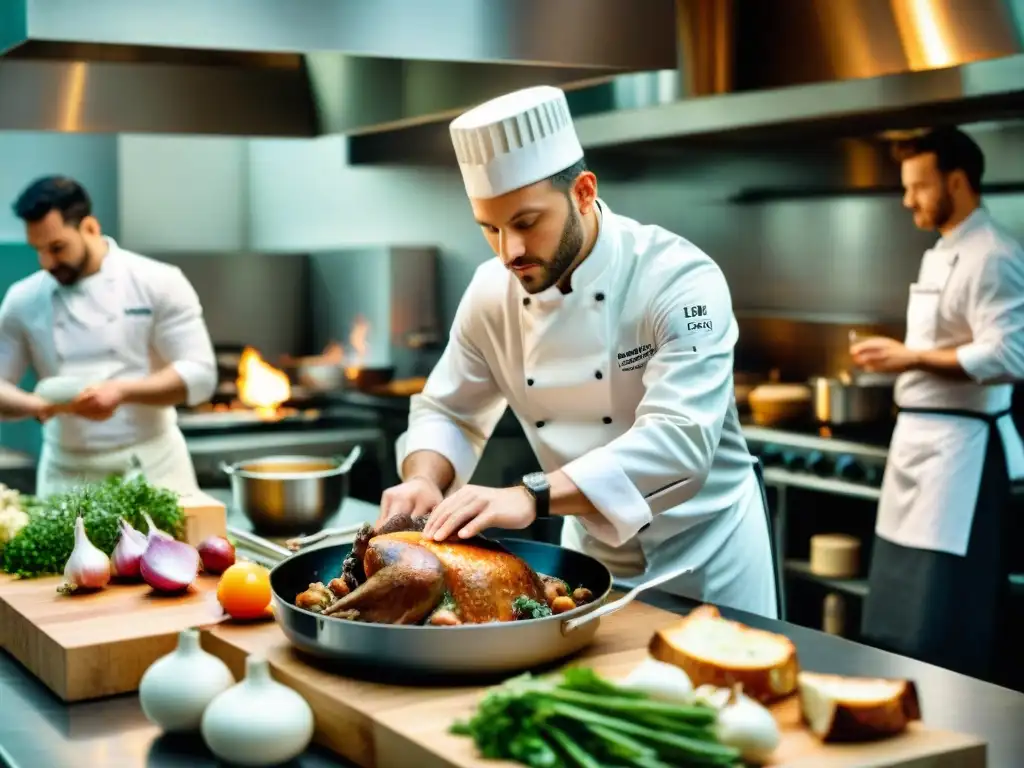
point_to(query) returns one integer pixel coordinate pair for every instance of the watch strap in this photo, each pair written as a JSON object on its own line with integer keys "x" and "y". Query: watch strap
{"x": 536, "y": 484}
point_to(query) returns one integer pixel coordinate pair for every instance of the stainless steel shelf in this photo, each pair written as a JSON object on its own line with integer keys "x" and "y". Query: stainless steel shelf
{"x": 831, "y": 445}
{"x": 802, "y": 569}
{"x": 783, "y": 477}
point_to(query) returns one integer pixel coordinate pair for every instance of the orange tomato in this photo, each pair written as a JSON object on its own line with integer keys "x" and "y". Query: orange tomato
{"x": 244, "y": 590}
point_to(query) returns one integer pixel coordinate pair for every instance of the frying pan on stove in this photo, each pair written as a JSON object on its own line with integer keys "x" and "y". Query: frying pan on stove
{"x": 469, "y": 649}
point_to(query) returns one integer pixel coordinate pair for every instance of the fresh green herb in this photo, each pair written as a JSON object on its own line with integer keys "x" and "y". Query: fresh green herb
{"x": 448, "y": 602}
{"x": 44, "y": 545}
{"x": 527, "y": 608}
{"x": 580, "y": 720}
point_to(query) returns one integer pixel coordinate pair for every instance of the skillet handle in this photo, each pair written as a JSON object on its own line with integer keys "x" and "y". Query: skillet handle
{"x": 569, "y": 625}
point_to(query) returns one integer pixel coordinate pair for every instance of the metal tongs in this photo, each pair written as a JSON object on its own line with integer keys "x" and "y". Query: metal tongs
{"x": 327, "y": 533}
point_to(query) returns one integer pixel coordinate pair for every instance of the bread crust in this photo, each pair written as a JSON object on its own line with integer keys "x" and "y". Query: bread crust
{"x": 762, "y": 680}
{"x": 837, "y": 716}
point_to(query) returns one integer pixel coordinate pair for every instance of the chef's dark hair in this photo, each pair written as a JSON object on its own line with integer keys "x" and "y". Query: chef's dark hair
{"x": 563, "y": 180}
{"x": 54, "y": 193}
{"x": 954, "y": 150}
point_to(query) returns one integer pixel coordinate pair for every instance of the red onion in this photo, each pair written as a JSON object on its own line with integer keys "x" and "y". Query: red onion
{"x": 169, "y": 565}
{"x": 128, "y": 553}
{"x": 153, "y": 530}
{"x": 217, "y": 554}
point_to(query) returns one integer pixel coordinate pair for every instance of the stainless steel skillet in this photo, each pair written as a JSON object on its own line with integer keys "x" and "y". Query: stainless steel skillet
{"x": 470, "y": 649}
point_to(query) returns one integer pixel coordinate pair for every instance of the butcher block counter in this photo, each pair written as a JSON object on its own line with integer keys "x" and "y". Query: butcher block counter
{"x": 37, "y": 729}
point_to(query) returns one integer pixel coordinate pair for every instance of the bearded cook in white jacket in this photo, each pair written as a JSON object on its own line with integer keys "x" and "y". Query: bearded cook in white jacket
{"x": 130, "y": 327}
{"x": 613, "y": 344}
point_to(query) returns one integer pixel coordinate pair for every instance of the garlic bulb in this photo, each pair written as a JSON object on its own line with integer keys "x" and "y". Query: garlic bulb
{"x": 747, "y": 725}
{"x": 176, "y": 689}
{"x": 660, "y": 680}
{"x": 88, "y": 567}
{"x": 259, "y": 721}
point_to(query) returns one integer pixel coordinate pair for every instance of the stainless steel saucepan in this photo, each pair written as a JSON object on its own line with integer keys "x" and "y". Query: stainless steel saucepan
{"x": 469, "y": 649}
{"x": 853, "y": 398}
{"x": 290, "y": 494}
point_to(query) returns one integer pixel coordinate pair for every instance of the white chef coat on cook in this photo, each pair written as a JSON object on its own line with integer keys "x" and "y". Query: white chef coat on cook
{"x": 969, "y": 295}
{"x": 625, "y": 383}
{"x": 129, "y": 319}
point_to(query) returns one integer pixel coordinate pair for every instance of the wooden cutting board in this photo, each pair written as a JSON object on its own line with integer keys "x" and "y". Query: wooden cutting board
{"x": 93, "y": 645}
{"x": 377, "y": 725}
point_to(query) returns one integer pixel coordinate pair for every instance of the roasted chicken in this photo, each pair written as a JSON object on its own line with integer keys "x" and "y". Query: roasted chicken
{"x": 395, "y": 576}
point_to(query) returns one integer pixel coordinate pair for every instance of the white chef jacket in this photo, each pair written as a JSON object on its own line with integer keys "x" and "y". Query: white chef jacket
{"x": 625, "y": 383}
{"x": 129, "y": 319}
{"x": 969, "y": 295}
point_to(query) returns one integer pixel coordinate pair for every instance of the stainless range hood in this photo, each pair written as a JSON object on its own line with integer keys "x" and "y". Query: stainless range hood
{"x": 304, "y": 67}
{"x": 791, "y": 70}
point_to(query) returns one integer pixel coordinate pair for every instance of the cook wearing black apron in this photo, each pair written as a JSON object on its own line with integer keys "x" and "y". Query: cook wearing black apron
{"x": 940, "y": 607}
{"x": 939, "y": 567}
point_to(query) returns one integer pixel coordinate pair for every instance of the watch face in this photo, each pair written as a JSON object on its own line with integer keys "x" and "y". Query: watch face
{"x": 536, "y": 481}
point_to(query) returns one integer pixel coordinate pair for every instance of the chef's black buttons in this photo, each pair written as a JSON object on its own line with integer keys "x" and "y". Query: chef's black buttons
{"x": 540, "y": 424}
{"x": 529, "y": 382}
{"x": 607, "y": 419}
{"x": 526, "y": 301}
{"x": 599, "y": 296}
{"x": 598, "y": 375}
{"x": 644, "y": 527}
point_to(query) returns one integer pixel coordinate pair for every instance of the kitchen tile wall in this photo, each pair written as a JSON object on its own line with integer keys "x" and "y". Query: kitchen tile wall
{"x": 251, "y": 298}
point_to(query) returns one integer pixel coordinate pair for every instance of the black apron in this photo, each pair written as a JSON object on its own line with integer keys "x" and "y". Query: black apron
{"x": 942, "y": 608}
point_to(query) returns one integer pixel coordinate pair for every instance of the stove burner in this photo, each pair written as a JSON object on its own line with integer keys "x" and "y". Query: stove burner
{"x": 853, "y": 453}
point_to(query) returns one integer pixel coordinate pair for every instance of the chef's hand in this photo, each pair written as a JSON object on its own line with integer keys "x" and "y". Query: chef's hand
{"x": 473, "y": 509}
{"x": 882, "y": 355}
{"x": 98, "y": 402}
{"x": 42, "y": 410}
{"x": 416, "y": 496}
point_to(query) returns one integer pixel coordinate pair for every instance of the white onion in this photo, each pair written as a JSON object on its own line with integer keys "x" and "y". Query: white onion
{"x": 659, "y": 680}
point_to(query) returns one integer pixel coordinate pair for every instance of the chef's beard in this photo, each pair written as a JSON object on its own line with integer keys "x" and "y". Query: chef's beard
{"x": 552, "y": 270}
{"x": 937, "y": 217}
{"x": 69, "y": 274}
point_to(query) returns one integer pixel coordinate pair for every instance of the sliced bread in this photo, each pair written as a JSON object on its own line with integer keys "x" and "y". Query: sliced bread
{"x": 715, "y": 651}
{"x": 838, "y": 708}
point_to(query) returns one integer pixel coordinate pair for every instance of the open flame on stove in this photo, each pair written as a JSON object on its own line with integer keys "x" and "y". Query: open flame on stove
{"x": 261, "y": 386}
{"x": 357, "y": 340}
{"x": 334, "y": 354}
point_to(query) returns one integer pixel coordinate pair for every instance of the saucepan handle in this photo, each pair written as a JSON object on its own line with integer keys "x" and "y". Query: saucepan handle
{"x": 350, "y": 460}
{"x": 569, "y": 625}
{"x": 260, "y": 545}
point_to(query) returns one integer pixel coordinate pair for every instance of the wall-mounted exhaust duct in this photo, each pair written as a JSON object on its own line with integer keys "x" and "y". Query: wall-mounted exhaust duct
{"x": 812, "y": 68}
{"x": 287, "y": 68}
